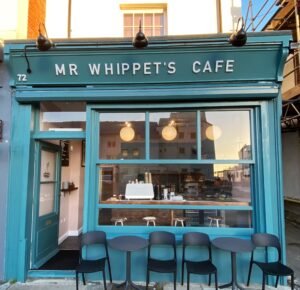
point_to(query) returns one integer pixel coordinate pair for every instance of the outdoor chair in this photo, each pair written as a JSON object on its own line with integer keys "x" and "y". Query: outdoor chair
{"x": 203, "y": 267}
{"x": 275, "y": 268}
{"x": 161, "y": 238}
{"x": 93, "y": 265}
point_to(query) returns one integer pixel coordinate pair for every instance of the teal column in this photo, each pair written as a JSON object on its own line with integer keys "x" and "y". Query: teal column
{"x": 19, "y": 212}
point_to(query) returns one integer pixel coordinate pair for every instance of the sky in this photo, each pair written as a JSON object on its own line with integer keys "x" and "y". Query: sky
{"x": 266, "y": 13}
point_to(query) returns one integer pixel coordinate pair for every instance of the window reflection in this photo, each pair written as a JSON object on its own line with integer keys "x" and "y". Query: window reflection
{"x": 62, "y": 116}
{"x": 122, "y": 136}
{"x": 173, "y": 135}
{"x": 175, "y": 184}
{"x": 175, "y": 217}
{"x": 225, "y": 135}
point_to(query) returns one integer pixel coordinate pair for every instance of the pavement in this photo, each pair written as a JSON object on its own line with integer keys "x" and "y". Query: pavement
{"x": 62, "y": 284}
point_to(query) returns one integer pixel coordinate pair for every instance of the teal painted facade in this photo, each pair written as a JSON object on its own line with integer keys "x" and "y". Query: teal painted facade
{"x": 173, "y": 72}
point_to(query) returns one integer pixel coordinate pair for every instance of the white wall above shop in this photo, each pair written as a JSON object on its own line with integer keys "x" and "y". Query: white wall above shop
{"x": 93, "y": 18}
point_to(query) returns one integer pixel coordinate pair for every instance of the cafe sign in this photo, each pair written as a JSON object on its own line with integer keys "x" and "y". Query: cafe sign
{"x": 82, "y": 67}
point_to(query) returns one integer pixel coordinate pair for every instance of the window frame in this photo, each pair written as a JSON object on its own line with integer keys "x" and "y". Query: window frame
{"x": 163, "y": 108}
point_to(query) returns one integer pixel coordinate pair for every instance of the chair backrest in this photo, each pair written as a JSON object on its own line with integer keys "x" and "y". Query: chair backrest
{"x": 162, "y": 238}
{"x": 267, "y": 240}
{"x": 196, "y": 239}
{"x": 94, "y": 238}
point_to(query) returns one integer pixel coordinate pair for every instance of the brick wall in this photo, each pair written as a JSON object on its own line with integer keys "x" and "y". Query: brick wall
{"x": 36, "y": 15}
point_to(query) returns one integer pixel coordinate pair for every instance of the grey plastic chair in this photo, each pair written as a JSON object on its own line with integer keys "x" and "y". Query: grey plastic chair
{"x": 275, "y": 268}
{"x": 204, "y": 267}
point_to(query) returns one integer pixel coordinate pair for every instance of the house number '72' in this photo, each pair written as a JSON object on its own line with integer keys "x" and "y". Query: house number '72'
{"x": 22, "y": 77}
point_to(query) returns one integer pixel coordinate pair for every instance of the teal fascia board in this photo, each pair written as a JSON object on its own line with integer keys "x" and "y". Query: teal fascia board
{"x": 166, "y": 61}
{"x": 153, "y": 93}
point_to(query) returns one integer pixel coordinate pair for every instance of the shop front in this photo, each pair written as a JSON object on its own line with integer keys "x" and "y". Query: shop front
{"x": 182, "y": 136}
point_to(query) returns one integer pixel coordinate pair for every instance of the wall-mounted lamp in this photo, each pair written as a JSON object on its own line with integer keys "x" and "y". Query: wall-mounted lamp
{"x": 43, "y": 43}
{"x": 169, "y": 132}
{"x": 127, "y": 133}
{"x": 1, "y": 130}
{"x": 140, "y": 40}
{"x": 239, "y": 37}
{"x": 213, "y": 132}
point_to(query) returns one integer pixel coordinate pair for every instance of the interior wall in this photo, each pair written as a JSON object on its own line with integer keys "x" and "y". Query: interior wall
{"x": 71, "y": 204}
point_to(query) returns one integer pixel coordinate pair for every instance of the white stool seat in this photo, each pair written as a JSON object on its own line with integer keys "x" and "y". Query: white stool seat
{"x": 216, "y": 220}
{"x": 119, "y": 220}
{"x": 150, "y": 219}
{"x": 179, "y": 220}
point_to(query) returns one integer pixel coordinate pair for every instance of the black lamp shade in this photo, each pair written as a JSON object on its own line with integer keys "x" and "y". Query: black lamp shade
{"x": 43, "y": 43}
{"x": 140, "y": 40}
{"x": 239, "y": 37}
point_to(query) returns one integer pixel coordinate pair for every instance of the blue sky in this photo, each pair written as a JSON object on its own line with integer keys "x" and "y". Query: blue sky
{"x": 257, "y": 5}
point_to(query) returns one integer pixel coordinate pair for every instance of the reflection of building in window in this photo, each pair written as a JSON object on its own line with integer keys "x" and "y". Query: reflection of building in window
{"x": 153, "y": 19}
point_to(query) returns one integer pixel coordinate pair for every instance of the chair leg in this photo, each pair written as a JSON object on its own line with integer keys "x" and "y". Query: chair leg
{"x": 109, "y": 270}
{"x": 182, "y": 274}
{"x": 104, "y": 279}
{"x": 216, "y": 280}
{"x": 249, "y": 274}
{"x": 83, "y": 278}
{"x": 188, "y": 281}
{"x": 292, "y": 282}
{"x": 209, "y": 279}
{"x": 76, "y": 280}
{"x": 147, "y": 279}
{"x": 264, "y": 281}
{"x": 175, "y": 279}
{"x": 276, "y": 283}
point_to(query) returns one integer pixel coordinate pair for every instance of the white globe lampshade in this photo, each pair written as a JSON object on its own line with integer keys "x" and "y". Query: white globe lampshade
{"x": 213, "y": 132}
{"x": 127, "y": 134}
{"x": 169, "y": 133}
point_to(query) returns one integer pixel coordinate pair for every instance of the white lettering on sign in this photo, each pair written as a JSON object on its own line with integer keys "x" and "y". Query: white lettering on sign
{"x": 73, "y": 69}
{"x": 229, "y": 65}
{"x": 144, "y": 68}
{"x": 60, "y": 70}
{"x": 94, "y": 68}
{"x": 219, "y": 65}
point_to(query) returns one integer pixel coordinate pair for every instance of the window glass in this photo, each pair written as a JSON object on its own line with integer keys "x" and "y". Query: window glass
{"x": 174, "y": 217}
{"x": 62, "y": 116}
{"x": 122, "y": 136}
{"x": 152, "y": 23}
{"x": 173, "y": 135}
{"x": 203, "y": 184}
{"x": 225, "y": 135}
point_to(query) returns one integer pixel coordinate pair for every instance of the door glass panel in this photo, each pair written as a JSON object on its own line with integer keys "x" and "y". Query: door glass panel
{"x": 122, "y": 135}
{"x": 173, "y": 135}
{"x": 46, "y": 203}
{"x": 226, "y": 135}
{"x": 47, "y": 182}
{"x": 48, "y": 165}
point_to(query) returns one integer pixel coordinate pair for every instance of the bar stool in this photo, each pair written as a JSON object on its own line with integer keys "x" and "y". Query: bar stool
{"x": 216, "y": 220}
{"x": 179, "y": 220}
{"x": 119, "y": 220}
{"x": 150, "y": 219}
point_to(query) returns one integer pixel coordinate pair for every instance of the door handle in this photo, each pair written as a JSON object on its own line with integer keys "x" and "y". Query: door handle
{"x": 48, "y": 222}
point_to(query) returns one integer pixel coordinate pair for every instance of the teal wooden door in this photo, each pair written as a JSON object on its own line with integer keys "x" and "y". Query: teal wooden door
{"x": 46, "y": 203}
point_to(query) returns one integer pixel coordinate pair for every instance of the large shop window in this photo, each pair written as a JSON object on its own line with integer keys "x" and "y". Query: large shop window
{"x": 187, "y": 168}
